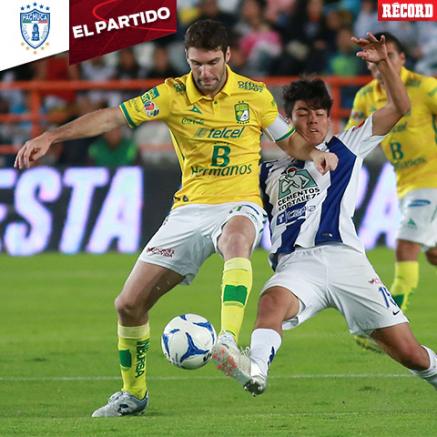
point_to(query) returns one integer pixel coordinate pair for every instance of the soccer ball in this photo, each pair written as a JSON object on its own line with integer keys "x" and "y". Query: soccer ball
{"x": 187, "y": 341}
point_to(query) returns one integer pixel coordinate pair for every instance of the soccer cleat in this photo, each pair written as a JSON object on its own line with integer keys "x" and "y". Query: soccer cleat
{"x": 122, "y": 404}
{"x": 257, "y": 385}
{"x": 230, "y": 360}
{"x": 367, "y": 343}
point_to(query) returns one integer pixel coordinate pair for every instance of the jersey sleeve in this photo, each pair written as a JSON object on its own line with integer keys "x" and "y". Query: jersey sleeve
{"x": 430, "y": 85}
{"x": 359, "y": 138}
{"x": 154, "y": 104}
{"x": 358, "y": 113}
{"x": 267, "y": 107}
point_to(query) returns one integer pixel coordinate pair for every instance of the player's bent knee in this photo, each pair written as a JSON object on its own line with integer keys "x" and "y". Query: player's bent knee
{"x": 127, "y": 308}
{"x": 271, "y": 308}
{"x": 235, "y": 243}
{"x": 431, "y": 256}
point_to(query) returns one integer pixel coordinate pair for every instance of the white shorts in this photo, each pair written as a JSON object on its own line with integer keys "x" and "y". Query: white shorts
{"x": 336, "y": 276}
{"x": 419, "y": 217}
{"x": 190, "y": 234}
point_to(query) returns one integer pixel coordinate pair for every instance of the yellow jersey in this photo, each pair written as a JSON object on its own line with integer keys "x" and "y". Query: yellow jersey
{"x": 411, "y": 146}
{"x": 217, "y": 140}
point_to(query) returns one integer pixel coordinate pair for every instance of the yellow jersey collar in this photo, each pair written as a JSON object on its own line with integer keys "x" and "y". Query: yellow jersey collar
{"x": 194, "y": 95}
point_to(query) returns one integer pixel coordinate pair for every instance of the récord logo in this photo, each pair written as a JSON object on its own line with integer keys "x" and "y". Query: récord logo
{"x": 412, "y": 10}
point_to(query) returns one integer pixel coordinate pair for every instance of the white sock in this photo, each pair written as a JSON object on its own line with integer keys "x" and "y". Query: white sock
{"x": 264, "y": 345}
{"x": 430, "y": 374}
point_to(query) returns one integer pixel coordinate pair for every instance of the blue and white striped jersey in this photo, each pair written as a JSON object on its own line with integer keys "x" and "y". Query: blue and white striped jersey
{"x": 306, "y": 208}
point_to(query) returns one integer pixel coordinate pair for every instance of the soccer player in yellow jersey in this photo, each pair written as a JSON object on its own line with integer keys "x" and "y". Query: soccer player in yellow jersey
{"x": 412, "y": 149}
{"x": 215, "y": 118}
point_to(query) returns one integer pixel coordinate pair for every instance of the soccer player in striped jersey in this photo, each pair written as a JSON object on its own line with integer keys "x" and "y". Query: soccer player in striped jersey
{"x": 411, "y": 147}
{"x": 215, "y": 118}
{"x": 318, "y": 259}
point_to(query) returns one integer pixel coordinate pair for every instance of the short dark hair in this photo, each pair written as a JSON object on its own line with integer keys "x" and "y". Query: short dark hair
{"x": 207, "y": 35}
{"x": 312, "y": 91}
{"x": 389, "y": 37}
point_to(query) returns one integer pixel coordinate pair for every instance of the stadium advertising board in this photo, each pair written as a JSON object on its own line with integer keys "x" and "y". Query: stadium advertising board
{"x": 96, "y": 210}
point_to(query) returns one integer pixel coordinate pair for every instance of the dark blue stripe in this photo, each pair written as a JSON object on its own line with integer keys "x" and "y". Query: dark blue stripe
{"x": 329, "y": 227}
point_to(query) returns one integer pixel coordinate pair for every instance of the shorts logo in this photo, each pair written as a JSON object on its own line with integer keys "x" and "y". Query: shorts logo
{"x": 411, "y": 224}
{"x": 152, "y": 109}
{"x": 242, "y": 112}
{"x": 375, "y": 281}
{"x": 398, "y": 10}
{"x": 35, "y": 24}
{"x": 161, "y": 251}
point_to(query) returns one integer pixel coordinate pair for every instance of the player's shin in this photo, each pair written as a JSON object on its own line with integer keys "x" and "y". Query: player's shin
{"x": 264, "y": 345}
{"x": 430, "y": 374}
{"x": 405, "y": 281}
{"x": 133, "y": 343}
{"x": 236, "y": 286}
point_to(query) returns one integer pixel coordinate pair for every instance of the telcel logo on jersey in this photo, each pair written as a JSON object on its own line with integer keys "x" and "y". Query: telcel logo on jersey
{"x": 412, "y": 10}
{"x": 215, "y": 133}
{"x": 35, "y": 25}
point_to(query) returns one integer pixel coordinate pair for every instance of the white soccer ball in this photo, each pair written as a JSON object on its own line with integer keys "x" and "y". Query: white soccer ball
{"x": 187, "y": 341}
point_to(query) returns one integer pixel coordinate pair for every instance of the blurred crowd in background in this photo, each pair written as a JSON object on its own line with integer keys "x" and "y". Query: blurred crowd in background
{"x": 269, "y": 38}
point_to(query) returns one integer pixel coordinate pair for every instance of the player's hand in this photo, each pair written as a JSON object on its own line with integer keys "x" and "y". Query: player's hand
{"x": 31, "y": 151}
{"x": 372, "y": 49}
{"x": 324, "y": 161}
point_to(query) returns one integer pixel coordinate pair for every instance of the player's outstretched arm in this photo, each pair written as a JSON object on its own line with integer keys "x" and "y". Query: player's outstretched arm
{"x": 398, "y": 103}
{"x": 89, "y": 125}
{"x": 298, "y": 147}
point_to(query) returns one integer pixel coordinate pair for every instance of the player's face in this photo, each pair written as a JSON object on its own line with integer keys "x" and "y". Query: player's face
{"x": 208, "y": 68}
{"x": 397, "y": 59}
{"x": 311, "y": 123}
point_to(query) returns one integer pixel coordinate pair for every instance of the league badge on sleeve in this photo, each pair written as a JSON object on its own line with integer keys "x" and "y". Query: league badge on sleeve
{"x": 152, "y": 109}
{"x": 35, "y": 24}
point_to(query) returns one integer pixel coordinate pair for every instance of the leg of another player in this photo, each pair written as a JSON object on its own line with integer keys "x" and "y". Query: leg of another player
{"x": 406, "y": 272}
{"x": 275, "y": 305}
{"x": 400, "y": 344}
{"x": 235, "y": 244}
{"x": 144, "y": 286}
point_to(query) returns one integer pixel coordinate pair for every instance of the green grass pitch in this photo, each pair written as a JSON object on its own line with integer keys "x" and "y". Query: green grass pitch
{"x": 58, "y": 361}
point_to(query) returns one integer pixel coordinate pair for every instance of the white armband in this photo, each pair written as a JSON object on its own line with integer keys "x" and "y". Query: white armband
{"x": 279, "y": 130}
